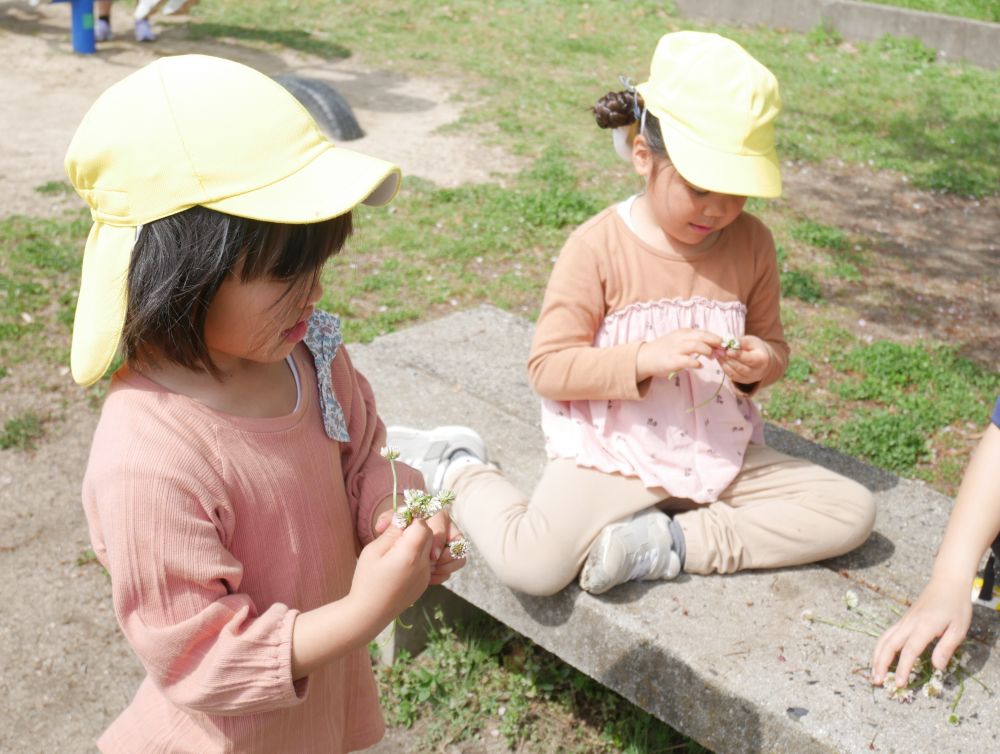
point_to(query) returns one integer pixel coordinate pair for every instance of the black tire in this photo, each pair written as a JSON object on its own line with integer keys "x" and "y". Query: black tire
{"x": 325, "y": 104}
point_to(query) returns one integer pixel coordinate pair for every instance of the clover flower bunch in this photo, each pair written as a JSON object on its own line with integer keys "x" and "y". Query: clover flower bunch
{"x": 924, "y": 678}
{"x": 418, "y": 504}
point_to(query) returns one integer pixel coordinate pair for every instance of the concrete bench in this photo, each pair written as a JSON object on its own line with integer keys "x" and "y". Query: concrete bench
{"x": 727, "y": 660}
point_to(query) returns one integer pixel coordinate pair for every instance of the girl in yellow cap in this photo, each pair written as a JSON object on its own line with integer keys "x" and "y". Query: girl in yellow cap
{"x": 236, "y": 485}
{"x": 660, "y": 322}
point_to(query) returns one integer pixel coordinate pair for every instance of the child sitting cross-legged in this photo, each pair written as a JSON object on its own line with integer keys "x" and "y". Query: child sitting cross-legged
{"x": 660, "y": 323}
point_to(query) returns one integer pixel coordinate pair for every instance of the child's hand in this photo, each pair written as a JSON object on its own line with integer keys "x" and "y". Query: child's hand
{"x": 747, "y": 364}
{"x": 443, "y": 529}
{"x": 444, "y": 563}
{"x": 394, "y": 570}
{"x": 675, "y": 351}
{"x": 944, "y": 610}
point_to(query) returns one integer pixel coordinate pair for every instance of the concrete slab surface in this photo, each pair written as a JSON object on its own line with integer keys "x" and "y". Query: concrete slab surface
{"x": 727, "y": 660}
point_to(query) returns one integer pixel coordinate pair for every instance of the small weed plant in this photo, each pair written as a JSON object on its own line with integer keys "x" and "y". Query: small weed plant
{"x": 479, "y": 679}
{"x": 22, "y": 432}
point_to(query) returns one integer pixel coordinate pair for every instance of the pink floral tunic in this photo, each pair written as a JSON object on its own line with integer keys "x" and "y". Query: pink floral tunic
{"x": 667, "y": 439}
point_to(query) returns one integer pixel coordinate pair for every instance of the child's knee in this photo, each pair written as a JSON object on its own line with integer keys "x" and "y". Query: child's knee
{"x": 537, "y": 577}
{"x": 859, "y": 509}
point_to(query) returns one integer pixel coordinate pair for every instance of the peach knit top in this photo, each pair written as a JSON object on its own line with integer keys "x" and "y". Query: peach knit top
{"x": 608, "y": 293}
{"x": 217, "y": 531}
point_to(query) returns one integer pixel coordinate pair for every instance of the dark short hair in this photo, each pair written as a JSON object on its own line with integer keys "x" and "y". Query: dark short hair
{"x": 179, "y": 262}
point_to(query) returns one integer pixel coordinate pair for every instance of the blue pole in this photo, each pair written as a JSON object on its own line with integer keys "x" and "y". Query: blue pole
{"x": 82, "y": 33}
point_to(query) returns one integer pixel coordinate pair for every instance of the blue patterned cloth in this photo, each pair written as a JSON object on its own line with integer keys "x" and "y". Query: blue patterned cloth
{"x": 323, "y": 340}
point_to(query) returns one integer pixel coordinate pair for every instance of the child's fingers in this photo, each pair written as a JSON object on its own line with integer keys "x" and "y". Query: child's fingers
{"x": 946, "y": 646}
{"x": 734, "y": 371}
{"x": 385, "y": 540}
{"x": 886, "y": 649}
{"x": 417, "y": 539}
{"x": 908, "y": 656}
{"x": 440, "y": 525}
{"x": 881, "y": 659}
{"x": 443, "y": 570}
{"x": 711, "y": 339}
{"x": 382, "y": 522}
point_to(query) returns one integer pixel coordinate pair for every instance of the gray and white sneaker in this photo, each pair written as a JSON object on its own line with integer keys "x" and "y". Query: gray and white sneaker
{"x": 638, "y": 548}
{"x": 431, "y": 451}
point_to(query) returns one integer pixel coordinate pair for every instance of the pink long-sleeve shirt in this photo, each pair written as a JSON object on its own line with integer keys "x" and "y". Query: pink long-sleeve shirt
{"x": 217, "y": 531}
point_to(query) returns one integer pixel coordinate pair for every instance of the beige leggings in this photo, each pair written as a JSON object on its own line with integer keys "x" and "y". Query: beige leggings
{"x": 779, "y": 511}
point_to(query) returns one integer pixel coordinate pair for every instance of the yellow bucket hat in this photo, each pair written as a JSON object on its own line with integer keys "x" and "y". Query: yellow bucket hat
{"x": 197, "y": 130}
{"x": 716, "y": 106}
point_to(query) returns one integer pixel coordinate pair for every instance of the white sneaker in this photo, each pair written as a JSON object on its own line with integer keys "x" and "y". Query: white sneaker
{"x": 431, "y": 451}
{"x": 640, "y": 548}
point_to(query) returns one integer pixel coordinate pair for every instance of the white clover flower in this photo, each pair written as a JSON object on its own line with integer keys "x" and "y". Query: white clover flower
{"x": 416, "y": 504}
{"x": 963, "y": 659}
{"x": 413, "y": 498}
{"x": 852, "y": 599}
{"x": 390, "y": 454}
{"x": 934, "y": 688}
{"x": 730, "y": 342}
{"x": 446, "y": 497}
{"x": 459, "y": 548}
{"x": 807, "y": 616}
{"x": 889, "y": 682}
{"x": 903, "y": 696}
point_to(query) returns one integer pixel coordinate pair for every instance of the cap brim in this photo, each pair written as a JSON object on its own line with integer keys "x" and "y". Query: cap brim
{"x": 100, "y": 307}
{"x": 335, "y": 182}
{"x": 330, "y": 185}
{"x": 724, "y": 172}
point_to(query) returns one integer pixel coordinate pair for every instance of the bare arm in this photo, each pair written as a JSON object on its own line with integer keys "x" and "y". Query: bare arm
{"x": 944, "y": 609}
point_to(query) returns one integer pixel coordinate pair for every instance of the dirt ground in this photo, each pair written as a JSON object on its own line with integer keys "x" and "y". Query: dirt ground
{"x": 66, "y": 670}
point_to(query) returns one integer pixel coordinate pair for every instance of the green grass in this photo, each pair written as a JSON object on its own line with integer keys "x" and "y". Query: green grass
{"x": 22, "y": 432}
{"x": 39, "y": 274}
{"x": 454, "y": 248}
{"x": 478, "y": 676}
{"x": 536, "y": 68}
{"x": 54, "y": 188}
{"x": 980, "y": 10}
{"x": 891, "y": 403}
{"x": 820, "y": 235}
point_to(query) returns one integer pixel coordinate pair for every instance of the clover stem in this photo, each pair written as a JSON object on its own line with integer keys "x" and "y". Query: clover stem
{"x": 710, "y": 398}
{"x": 395, "y": 484}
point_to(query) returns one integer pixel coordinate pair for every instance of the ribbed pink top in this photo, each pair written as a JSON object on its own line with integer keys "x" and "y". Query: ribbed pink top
{"x": 216, "y": 531}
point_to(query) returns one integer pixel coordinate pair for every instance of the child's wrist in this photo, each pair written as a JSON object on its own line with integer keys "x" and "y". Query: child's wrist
{"x": 955, "y": 573}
